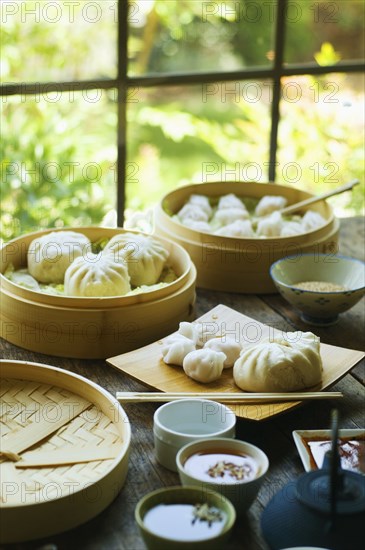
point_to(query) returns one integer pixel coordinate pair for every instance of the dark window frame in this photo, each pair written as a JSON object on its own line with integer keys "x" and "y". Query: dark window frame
{"x": 123, "y": 83}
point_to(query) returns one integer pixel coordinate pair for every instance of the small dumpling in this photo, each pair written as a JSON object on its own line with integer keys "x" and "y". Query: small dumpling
{"x": 270, "y": 203}
{"x": 270, "y": 226}
{"x": 289, "y": 363}
{"x": 227, "y": 216}
{"x": 204, "y": 365}
{"x": 228, "y": 346}
{"x": 291, "y": 228}
{"x": 199, "y": 332}
{"x": 22, "y": 278}
{"x": 176, "y": 348}
{"x": 197, "y": 225}
{"x": 192, "y": 212}
{"x": 230, "y": 201}
{"x": 203, "y": 202}
{"x": 50, "y": 255}
{"x": 144, "y": 256}
{"x": 96, "y": 275}
{"x": 239, "y": 228}
{"x": 311, "y": 220}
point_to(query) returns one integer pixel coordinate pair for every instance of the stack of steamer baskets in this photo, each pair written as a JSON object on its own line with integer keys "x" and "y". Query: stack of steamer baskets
{"x": 242, "y": 264}
{"x": 92, "y": 328}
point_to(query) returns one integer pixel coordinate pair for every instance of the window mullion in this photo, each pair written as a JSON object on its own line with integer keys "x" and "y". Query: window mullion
{"x": 278, "y": 66}
{"x": 123, "y": 8}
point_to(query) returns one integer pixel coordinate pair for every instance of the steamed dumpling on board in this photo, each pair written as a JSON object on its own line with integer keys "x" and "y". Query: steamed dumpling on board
{"x": 270, "y": 203}
{"x": 175, "y": 349}
{"x": 96, "y": 275}
{"x": 270, "y": 226}
{"x": 228, "y": 346}
{"x": 50, "y": 255}
{"x": 204, "y": 365}
{"x": 199, "y": 332}
{"x": 281, "y": 364}
{"x": 239, "y": 228}
{"x": 143, "y": 255}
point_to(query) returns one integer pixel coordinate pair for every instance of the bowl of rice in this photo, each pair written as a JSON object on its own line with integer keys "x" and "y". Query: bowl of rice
{"x": 320, "y": 286}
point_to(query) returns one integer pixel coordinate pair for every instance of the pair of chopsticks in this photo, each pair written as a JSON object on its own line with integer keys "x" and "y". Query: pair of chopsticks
{"x": 223, "y": 397}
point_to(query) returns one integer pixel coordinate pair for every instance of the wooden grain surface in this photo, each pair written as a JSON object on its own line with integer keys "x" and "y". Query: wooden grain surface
{"x": 115, "y": 529}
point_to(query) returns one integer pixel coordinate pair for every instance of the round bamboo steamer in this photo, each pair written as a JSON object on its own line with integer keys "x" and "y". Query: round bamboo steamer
{"x": 241, "y": 264}
{"x": 92, "y": 328}
{"x": 42, "y": 500}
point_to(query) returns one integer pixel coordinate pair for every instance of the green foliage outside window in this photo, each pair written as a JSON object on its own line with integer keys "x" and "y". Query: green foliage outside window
{"x": 58, "y": 151}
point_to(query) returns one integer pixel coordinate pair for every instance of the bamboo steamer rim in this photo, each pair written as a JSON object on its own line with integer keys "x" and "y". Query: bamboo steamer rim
{"x": 193, "y": 233}
{"x": 8, "y": 369}
{"x": 191, "y": 277}
{"x": 98, "y": 302}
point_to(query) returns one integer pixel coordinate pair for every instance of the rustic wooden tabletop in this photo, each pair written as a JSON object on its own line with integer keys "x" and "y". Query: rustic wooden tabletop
{"x": 115, "y": 528}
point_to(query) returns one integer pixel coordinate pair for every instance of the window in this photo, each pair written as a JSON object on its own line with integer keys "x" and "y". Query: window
{"x": 109, "y": 104}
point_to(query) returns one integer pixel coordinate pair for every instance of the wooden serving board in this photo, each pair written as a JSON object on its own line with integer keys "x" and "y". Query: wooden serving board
{"x": 146, "y": 365}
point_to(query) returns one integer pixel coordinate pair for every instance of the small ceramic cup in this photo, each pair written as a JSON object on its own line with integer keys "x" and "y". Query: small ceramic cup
{"x": 240, "y": 491}
{"x": 178, "y": 533}
{"x": 180, "y": 422}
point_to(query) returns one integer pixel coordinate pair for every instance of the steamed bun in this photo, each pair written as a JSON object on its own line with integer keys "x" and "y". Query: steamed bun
{"x": 96, "y": 275}
{"x": 144, "y": 256}
{"x": 289, "y": 363}
{"x": 50, "y": 255}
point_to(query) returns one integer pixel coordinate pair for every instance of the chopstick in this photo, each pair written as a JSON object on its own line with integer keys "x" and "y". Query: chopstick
{"x": 307, "y": 202}
{"x": 223, "y": 397}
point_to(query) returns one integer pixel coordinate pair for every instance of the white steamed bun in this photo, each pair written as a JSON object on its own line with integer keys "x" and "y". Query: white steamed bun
{"x": 144, "y": 256}
{"x": 50, "y": 255}
{"x": 289, "y": 363}
{"x": 96, "y": 275}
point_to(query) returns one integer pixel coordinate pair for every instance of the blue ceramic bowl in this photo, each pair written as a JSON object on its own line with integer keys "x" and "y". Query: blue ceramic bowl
{"x": 320, "y": 307}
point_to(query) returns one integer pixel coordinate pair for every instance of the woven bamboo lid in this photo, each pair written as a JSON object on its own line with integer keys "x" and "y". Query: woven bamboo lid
{"x": 63, "y": 450}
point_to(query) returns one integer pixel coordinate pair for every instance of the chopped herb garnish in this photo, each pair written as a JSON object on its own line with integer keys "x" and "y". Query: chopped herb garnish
{"x": 233, "y": 470}
{"x": 203, "y": 512}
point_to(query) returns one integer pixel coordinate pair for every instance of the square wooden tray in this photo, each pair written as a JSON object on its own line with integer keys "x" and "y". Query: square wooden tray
{"x": 146, "y": 366}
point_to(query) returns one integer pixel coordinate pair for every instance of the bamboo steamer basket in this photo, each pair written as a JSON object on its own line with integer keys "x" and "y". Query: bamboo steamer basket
{"x": 242, "y": 264}
{"x": 52, "y": 493}
{"x": 92, "y": 328}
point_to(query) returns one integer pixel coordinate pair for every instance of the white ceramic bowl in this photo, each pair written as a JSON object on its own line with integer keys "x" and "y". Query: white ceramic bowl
{"x": 180, "y": 422}
{"x": 319, "y": 307}
{"x": 241, "y": 493}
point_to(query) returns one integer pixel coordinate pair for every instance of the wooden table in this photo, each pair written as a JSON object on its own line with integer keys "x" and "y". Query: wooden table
{"x": 115, "y": 527}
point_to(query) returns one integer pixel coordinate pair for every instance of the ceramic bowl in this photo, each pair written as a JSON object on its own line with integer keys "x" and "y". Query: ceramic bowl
{"x": 155, "y": 539}
{"x": 242, "y": 492}
{"x": 320, "y": 308}
{"x": 180, "y": 422}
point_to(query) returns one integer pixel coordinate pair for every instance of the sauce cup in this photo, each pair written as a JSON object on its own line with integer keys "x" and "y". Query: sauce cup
{"x": 186, "y": 420}
{"x": 231, "y": 467}
{"x": 166, "y": 519}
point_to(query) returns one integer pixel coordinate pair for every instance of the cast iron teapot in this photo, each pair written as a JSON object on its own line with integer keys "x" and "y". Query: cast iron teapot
{"x": 323, "y": 508}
